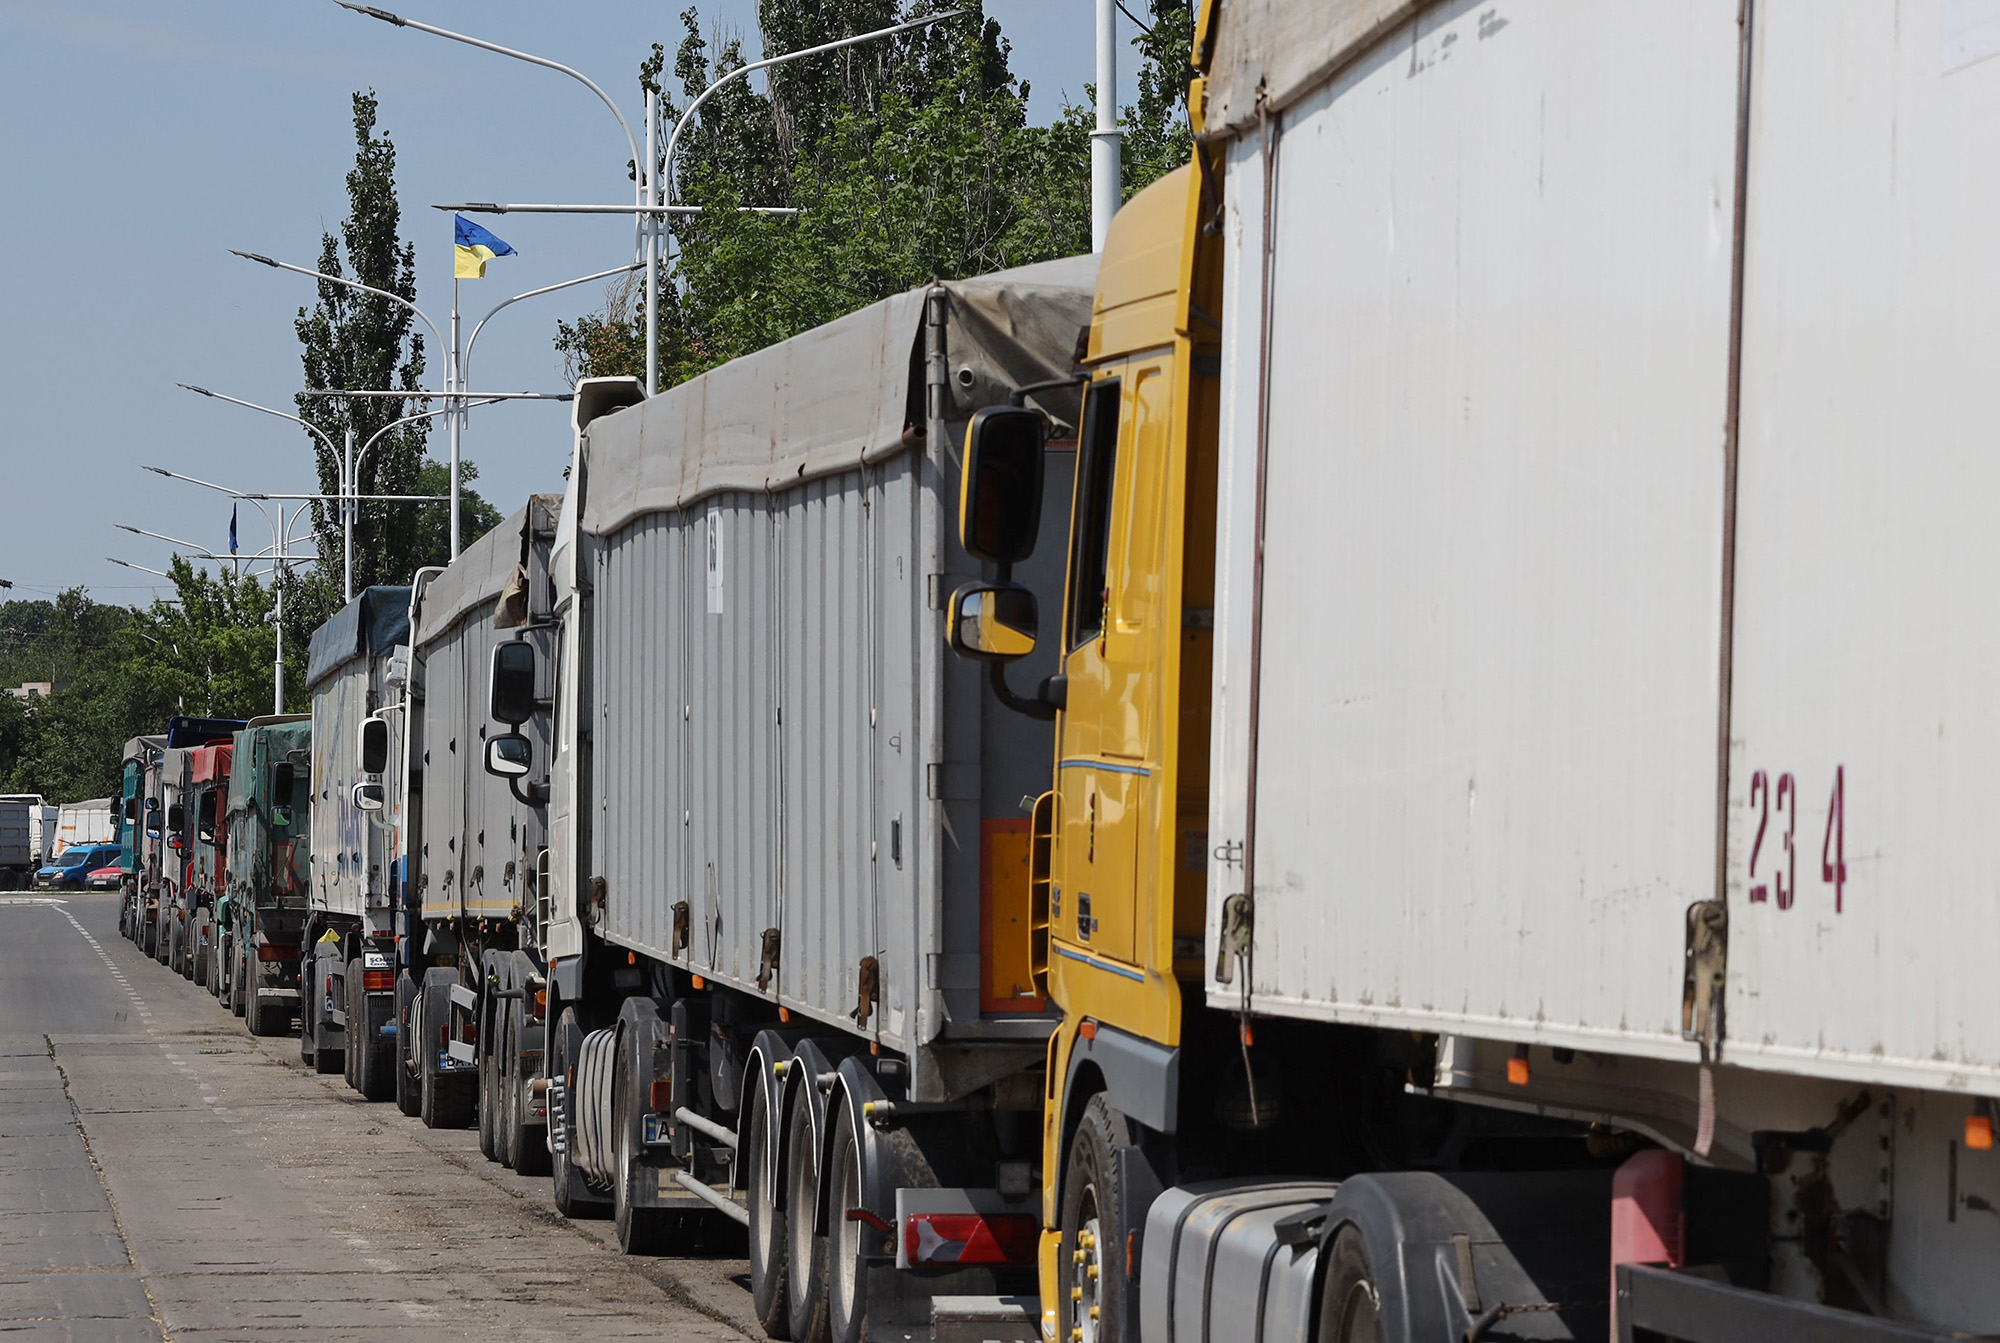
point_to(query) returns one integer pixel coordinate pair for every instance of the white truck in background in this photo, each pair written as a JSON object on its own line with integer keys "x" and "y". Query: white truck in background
{"x": 27, "y": 838}
{"x": 89, "y": 822}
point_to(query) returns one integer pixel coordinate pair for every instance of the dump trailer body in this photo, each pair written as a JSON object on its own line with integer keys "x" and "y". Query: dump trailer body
{"x": 270, "y": 864}
{"x": 268, "y": 872}
{"x": 1502, "y": 598}
{"x": 1600, "y": 659}
{"x": 478, "y": 843}
{"x": 347, "y": 670}
{"x": 794, "y": 790}
{"x": 18, "y": 859}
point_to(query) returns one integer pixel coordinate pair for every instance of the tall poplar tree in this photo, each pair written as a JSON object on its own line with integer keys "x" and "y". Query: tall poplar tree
{"x": 364, "y": 342}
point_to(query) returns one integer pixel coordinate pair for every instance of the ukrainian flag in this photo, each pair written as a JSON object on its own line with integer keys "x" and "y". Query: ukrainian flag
{"x": 475, "y": 248}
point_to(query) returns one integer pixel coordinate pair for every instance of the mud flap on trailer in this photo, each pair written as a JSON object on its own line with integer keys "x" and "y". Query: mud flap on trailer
{"x": 329, "y": 983}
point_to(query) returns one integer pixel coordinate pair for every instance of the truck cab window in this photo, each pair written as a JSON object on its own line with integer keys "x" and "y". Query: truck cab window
{"x": 1096, "y": 469}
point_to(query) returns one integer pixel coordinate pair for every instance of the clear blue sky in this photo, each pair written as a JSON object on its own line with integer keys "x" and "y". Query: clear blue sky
{"x": 142, "y": 139}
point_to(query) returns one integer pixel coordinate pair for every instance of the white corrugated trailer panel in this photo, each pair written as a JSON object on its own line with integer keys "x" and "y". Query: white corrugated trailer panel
{"x": 1868, "y": 550}
{"x": 1498, "y": 378}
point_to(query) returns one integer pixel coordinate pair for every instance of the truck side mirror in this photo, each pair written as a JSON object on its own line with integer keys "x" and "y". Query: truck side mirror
{"x": 176, "y": 818}
{"x": 992, "y": 623}
{"x": 369, "y": 796}
{"x": 1000, "y": 496}
{"x": 373, "y": 746}
{"x": 511, "y": 693}
{"x": 509, "y": 755}
{"x": 204, "y": 825}
{"x": 281, "y": 793}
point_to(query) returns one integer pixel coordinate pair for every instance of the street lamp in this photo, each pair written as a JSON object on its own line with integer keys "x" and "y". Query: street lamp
{"x": 648, "y": 206}
{"x": 456, "y": 396}
{"x": 350, "y": 474}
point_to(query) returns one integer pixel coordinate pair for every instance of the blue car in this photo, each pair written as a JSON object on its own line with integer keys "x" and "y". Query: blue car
{"x": 67, "y": 872}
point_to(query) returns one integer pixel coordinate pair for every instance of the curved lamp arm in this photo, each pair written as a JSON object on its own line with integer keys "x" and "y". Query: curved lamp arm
{"x": 543, "y": 61}
{"x": 351, "y": 284}
{"x": 465, "y": 360}
{"x": 742, "y": 70}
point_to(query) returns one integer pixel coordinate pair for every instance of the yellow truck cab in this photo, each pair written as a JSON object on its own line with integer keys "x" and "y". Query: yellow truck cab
{"x": 1119, "y": 847}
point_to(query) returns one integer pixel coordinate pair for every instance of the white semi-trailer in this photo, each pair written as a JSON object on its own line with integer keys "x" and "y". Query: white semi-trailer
{"x": 471, "y": 845}
{"x": 789, "y": 909}
{"x": 1559, "y": 905}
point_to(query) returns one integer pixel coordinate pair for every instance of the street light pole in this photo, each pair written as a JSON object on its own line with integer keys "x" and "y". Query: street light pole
{"x": 452, "y": 387}
{"x": 648, "y": 196}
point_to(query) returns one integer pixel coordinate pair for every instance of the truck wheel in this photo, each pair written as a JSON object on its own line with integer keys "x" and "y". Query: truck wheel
{"x": 406, "y": 1085}
{"x": 1092, "y": 1271}
{"x": 197, "y": 971}
{"x": 446, "y": 1100}
{"x": 847, "y": 1241}
{"x": 640, "y": 1230}
{"x": 574, "y": 1199}
{"x": 489, "y": 1108}
{"x": 239, "y": 983}
{"x": 527, "y": 1144}
{"x": 351, "y": 997}
{"x": 1349, "y": 1305}
{"x": 805, "y": 1249}
{"x": 768, "y": 1291}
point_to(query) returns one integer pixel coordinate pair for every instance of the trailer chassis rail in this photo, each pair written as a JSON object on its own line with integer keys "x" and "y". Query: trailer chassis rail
{"x": 1658, "y": 1301}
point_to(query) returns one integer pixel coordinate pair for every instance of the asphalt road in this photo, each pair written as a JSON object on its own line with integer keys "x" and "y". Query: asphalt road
{"x": 163, "y": 1175}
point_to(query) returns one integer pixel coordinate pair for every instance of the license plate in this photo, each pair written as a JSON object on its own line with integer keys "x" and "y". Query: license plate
{"x": 655, "y": 1129}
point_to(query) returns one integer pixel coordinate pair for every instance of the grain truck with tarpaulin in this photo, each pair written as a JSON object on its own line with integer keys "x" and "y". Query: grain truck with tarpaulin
{"x": 470, "y": 1006}
{"x": 789, "y": 902}
{"x": 355, "y": 665}
{"x": 138, "y": 852}
{"x": 268, "y": 878}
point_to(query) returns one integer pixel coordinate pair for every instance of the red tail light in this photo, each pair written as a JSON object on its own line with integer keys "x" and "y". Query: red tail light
{"x": 661, "y": 1096}
{"x": 970, "y": 1238}
{"x": 378, "y": 981}
{"x": 269, "y": 953}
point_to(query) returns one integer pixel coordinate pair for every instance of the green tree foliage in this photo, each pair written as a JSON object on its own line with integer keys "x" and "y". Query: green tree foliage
{"x": 65, "y": 746}
{"x": 909, "y": 159}
{"x": 358, "y": 341}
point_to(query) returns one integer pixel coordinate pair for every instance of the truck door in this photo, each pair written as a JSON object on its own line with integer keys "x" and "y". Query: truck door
{"x": 1108, "y": 764}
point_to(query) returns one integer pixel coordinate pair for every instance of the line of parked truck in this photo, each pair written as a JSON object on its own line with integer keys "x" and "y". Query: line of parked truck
{"x": 1504, "y": 510}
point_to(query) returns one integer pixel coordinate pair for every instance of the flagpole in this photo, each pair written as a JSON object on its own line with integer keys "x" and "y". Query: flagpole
{"x": 457, "y": 410}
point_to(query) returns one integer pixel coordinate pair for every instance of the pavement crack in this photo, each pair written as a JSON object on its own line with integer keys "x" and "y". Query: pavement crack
{"x": 97, "y": 1167}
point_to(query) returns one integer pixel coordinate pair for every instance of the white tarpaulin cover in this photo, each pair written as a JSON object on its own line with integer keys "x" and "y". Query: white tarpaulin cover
{"x": 839, "y": 395}
{"x": 1287, "y": 48}
{"x": 482, "y": 570}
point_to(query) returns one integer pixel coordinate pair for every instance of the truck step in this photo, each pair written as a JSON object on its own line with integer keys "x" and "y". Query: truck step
{"x": 984, "y": 1319}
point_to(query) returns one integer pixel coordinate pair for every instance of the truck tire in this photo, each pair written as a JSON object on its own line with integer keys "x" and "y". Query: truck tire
{"x": 407, "y": 1093}
{"x": 1093, "y": 1272}
{"x": 375, "y": 1060}
{"x": 489, "y": 1107}
{"x": 574, "y": 1199}
{"x": 846, "y": 1240}
{"x": 239, "y": 984}
{"x": 805, "y": 1248}
{"x": 1348, "y": 1303}
{"x": 768, "y": 1291}
{"x": 641, "y": 1230}
{"x": 526, "y": 1144}
{"x": 445, "y": 1100}
{"x": 351, "y": 998}
{"x": 197, "y": 959}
